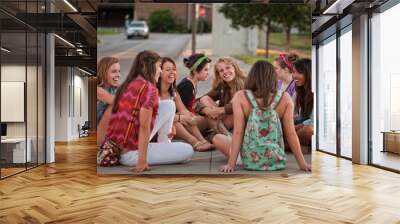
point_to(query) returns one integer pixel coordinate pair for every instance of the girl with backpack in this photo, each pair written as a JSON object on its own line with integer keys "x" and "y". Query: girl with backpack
{"x": 259, "y": 113}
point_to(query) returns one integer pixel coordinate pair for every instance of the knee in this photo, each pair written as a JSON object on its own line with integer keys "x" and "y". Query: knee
{"x": 217, "y": 139}
{"x": 186, "y": 151}
{"x": 205, "y": 100}
{"x": 308, "y": 131}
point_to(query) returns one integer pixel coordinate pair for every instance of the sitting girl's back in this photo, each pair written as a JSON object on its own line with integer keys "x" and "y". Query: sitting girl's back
{"x": 263, "y": 147}
{"x": 258, "y": 134}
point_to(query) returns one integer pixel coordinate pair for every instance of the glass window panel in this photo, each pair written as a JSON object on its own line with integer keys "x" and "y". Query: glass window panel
{"x": 13, "y": 84}
{"x": 346, "y": 94}
{"x": 327, "y": 96}
{"x": 385, "y": 88}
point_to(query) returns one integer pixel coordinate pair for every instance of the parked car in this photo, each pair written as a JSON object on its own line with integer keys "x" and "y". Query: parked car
{"x": 137, "y": 28}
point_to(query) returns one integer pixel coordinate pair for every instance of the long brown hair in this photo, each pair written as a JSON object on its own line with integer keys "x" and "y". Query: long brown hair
{"x": 144, "y": 65}
{"x": 172, "y": 87}
{"x": 102, "y": 67}
{"x": 262, "y": 82}
{"x": 304, "y": 98}
{"x": 239, "y": 79}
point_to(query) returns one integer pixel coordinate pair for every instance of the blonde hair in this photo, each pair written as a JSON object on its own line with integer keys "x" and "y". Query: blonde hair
{"x": 239, "y": 79}
{"x": 102, "y": 67}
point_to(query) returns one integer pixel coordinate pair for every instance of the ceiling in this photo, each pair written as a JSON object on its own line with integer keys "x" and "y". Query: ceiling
{"x": 327, "y": 13}
{"x": 77, "y": 25}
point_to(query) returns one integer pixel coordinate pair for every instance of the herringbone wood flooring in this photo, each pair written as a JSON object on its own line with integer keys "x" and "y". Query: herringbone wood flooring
{"x": 69, "y": 191}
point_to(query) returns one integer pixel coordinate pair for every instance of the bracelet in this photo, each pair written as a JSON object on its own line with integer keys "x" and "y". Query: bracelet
{"x": 179, "y": 117}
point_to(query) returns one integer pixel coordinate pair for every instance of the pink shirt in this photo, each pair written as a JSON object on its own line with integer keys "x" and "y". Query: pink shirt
{"x": 119, "y": 121}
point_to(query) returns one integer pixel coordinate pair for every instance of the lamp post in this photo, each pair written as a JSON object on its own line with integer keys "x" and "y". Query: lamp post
{"x": 194, "y": 27}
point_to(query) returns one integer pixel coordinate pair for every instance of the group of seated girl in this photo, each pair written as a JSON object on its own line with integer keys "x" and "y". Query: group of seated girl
{"x": 216, "y": 120}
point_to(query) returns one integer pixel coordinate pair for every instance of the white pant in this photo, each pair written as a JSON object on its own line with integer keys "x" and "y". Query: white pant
{"x": 160, "y": 153}
{"x": 163, "y": 152}
{"x": 164, "y": 121}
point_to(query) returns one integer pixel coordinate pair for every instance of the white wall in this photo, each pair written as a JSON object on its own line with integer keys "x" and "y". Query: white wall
{"x": 16, "y": 73}
{"x": 229, "y": 41}
{"x": 71, "y": 94}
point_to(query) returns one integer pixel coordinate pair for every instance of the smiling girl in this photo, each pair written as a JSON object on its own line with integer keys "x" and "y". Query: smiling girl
{"x": 216, "y": 104}
{"x": 304, "y": 119}
{"x": 108, "y": 73}
{"x": 184, "y": 121}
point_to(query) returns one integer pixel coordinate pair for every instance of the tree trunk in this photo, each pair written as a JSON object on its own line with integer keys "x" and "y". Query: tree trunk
{"x": 267, "y": 39}
{"x": 287, "y": 30}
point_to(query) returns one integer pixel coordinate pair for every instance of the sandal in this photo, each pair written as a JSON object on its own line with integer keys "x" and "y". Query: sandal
{"x": 210, "y": 145}
{"x": 198, "y": 146}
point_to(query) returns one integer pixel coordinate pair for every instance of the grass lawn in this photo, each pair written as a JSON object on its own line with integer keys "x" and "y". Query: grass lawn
{"x": 300, "y": 44}
{"x": 251, "y": 59}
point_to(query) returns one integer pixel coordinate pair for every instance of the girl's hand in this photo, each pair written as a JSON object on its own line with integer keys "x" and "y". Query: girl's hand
{"x": 141, "y": 168}
{"x": 173, "y": 132}
{"x": 188, "y": 113}
{"x": 227, "y": 168}
{"x": 306, "y": 167}
{"x": 214, "y": 113}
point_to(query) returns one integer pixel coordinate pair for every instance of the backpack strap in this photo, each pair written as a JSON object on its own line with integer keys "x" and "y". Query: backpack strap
{"x": 277, "y": 99}
{"x": 135, "y": 112}
{"x": 251, "y": 99}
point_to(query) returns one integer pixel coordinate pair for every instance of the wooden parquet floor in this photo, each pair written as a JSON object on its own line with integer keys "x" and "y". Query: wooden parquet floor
{"x": 70, "y": 191}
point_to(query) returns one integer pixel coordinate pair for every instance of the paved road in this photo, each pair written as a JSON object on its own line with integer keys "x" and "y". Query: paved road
{"x": 125, "y": 50}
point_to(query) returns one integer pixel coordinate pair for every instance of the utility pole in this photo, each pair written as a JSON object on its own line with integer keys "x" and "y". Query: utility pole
{"x": 194, "y": 27}
{"x": 134, "y": 17}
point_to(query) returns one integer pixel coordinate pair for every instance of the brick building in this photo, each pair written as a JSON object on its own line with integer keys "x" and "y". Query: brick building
{"x": 112, "y": 14}
{"x": 181, "y": 11}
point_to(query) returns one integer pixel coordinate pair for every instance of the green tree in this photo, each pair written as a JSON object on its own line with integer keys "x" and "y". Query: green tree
{"x": 161, "y": 21}
{"x": 250, "y": 16}
{"x": 293, "y": 15}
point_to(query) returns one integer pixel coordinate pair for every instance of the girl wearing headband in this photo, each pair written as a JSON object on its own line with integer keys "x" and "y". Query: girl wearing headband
{"x": 283, "y": 65}
{"x": 198, "y": 65}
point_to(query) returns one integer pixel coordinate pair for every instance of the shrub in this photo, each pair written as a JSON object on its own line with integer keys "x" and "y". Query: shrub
{"x": 161, "y": 21}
